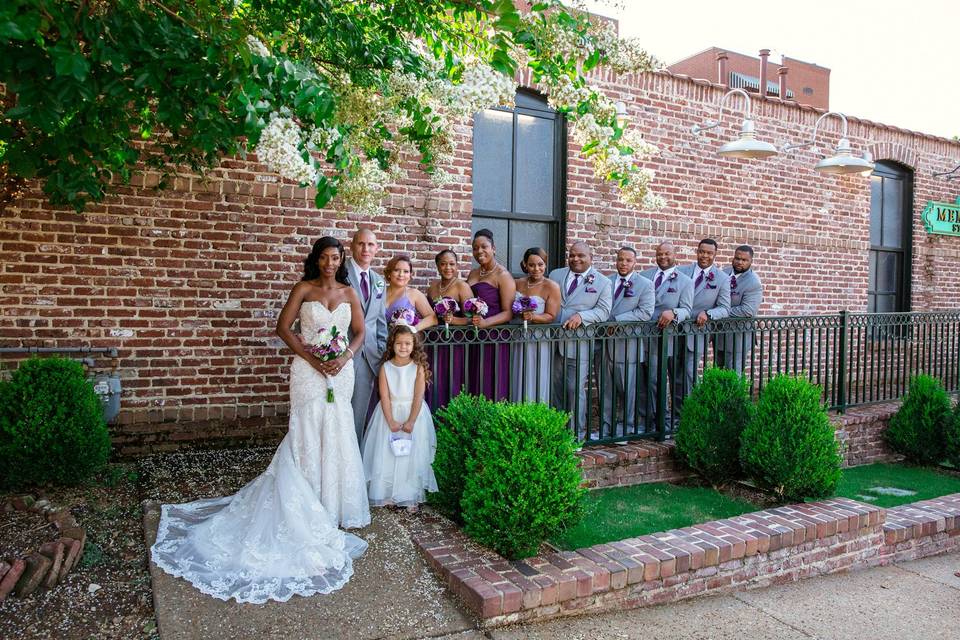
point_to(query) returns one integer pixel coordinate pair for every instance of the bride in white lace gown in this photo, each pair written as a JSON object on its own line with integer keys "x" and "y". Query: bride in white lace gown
{"x": 278, "y": 536}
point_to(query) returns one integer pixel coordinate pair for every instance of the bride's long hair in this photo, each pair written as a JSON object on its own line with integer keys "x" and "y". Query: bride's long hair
{"x": 311, "y": 268}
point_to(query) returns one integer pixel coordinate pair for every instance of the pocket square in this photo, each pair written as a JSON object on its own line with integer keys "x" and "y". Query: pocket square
{"x": 590, "y": 290}
{"x": 379, "y": 296}
{"x": 671, "y": 290}
{"x": 629, "y": 294}
{"x": 711, "y": 286}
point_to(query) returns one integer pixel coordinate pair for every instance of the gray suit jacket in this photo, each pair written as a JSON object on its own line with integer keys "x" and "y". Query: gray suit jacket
{"x": 712, "y": 297}
{"x": 675, "y": 293}
{"x": 745, "y": 301}
{"x": 635, "y": 304}
{"x": 374, "y": 319}
{"x": 592, "y": 299}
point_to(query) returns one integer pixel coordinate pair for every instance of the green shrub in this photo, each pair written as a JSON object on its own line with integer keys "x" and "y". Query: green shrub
{"x": 951, "y": 438}
{"x": 917, "y": 429}
{"x": 714, "y": 415}
{"x": 789, "y": 446}
{"x": 457, "y": 426}
{"x": 523, "y": 482}
{"x": 51, "y": 425}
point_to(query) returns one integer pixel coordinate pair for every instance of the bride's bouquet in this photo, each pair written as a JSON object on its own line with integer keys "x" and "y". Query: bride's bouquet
{"x": 443, "y": 307}
{"x": 475, "y": 307}
{"x": 521, "y": 305}
{"x": 328, "y": 344}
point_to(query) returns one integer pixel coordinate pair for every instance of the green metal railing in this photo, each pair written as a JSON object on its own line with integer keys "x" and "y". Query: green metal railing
{"x": 623, "y": 381}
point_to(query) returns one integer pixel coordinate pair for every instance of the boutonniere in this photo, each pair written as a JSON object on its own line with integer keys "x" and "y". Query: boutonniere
{"x": 733, "y": 283}
{"x": 628, "y": 291}
{"x": 673, "y": 276}
{"x": 710, "y": 276}
{"x": 590, "y": 278}
{"x": 378, "y": 287}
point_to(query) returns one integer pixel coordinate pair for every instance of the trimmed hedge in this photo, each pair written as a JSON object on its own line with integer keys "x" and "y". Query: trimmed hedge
{"x": 51, "y": 425}
{"x": 714, "y": 415}
{"x": 789, "y": 445}
{"x": 917, "y": 430}
{"x": 523, "y": 482}
{"x": 951, "y": 438}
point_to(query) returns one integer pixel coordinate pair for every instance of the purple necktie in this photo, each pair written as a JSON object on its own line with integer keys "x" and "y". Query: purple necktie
{"x": 364, "y": 287}
{"x": 696, "y": 285}
{"x": 623, "y": 283}
{"x": 659, "y": 281}
{"x": 733, "y": 282}
{"x": 573, "y": 284}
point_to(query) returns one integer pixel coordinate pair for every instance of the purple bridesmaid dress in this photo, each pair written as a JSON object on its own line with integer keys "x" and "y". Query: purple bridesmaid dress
{"x": 447, "y": 365}
{"x": 489, "y": 365}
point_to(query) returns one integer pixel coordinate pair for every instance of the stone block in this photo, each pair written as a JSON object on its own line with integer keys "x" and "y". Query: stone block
{"x": 33, "y": 574}
{"x": 10, "y": 578}
{"x": 56, "y": 552}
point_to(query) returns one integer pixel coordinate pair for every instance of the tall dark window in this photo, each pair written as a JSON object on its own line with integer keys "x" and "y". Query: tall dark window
{"x": 518, "y": 177}
{"x": 891, "y": 217}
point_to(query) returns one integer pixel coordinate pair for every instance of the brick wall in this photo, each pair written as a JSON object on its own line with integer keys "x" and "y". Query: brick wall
{"x": 187, "y": 282}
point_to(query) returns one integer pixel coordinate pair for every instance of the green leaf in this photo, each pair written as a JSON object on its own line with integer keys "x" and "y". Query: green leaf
{"x": 592, "y": 60}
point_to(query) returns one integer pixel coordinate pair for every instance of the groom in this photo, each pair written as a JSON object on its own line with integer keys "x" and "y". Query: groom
{"x": 369, "y": 286}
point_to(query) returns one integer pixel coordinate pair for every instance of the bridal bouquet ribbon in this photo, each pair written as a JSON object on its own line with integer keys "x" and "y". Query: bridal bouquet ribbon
{"x": 443, "y": 307}
{"x": 329, "y": 344}
{"x": 522, "y": 305}
{"x": 475, "y": 307}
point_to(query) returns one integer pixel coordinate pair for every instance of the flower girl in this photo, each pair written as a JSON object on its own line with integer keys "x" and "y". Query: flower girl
{"x": 400, "y": 440}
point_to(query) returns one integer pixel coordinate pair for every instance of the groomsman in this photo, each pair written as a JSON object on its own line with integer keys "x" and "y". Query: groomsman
{"x": 674, "y": 301}
{"x": 711, "y": 301}
{"x": 585, "y": 298}
{"x": 633, "y": 301}
{"x": 746, "y": 294}
{"x": 370, "y": 287}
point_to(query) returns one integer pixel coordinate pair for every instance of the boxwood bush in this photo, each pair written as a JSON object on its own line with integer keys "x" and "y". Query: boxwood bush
{"x": 951, "y": 438}
{"x": 789, "y": 446}
{"x": 457, "y": 426}
{"x": 51, "y": 425}
{"x": 917, "y": 430}
{"x": 523, "y": 482}
{"x": 714, "y": 415}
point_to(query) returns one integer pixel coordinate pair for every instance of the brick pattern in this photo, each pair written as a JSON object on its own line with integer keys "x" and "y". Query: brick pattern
{"x": 630, "y": 464}
{"x": 187, "y": 282}
{"x": 767, "y": 547}
{"x": 921, "y": 529}
{"x": 860, "y": 432}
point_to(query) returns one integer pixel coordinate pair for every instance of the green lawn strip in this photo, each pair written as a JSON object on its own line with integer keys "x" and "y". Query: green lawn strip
{"x": 890, "y": 485}
{"x": 626, "y": 512}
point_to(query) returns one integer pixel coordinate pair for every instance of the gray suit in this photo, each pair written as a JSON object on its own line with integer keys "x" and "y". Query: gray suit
{"x": 366, "y": 362}
{"x": 592, "y": 299}
{"x": 711, "y": 297}
{"x": 622, "y": 357}
{"x": 733, "y": 349}
{"x": 676, "y": 294}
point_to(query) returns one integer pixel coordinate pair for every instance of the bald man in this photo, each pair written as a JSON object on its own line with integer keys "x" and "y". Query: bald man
{"x": 585, "y": 298}
{"x": 371, "y": 289}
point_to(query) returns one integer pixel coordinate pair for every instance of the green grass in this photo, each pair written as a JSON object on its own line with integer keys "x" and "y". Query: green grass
{"x": 625, "y": 512}
{"x": 923, "y": 483}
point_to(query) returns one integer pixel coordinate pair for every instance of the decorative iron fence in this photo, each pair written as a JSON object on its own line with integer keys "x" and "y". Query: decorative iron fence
{"x": 623, "y": 381}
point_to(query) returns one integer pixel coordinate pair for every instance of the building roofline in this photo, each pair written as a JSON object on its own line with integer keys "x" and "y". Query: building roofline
{"x": 746, "y": 55}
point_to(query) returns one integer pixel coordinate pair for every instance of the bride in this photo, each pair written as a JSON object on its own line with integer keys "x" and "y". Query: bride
{"x": 278, "y": 536}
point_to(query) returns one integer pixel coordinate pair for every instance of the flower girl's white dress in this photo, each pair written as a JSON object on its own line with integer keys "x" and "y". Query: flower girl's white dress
{"x": 392, "y": 479}
{"x": 278, "y": 535}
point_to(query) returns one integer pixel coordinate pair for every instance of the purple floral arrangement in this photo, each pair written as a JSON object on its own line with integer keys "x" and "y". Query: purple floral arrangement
{"x": 442, "y": 307}
{"x": 521, "y": 305}
{"x": 328, "y": 344}
{"x": 475, "y": 307}
{"x": 404, "y": 315}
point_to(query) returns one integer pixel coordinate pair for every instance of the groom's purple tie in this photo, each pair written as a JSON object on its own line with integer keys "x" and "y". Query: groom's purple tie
{"x": 659, "y": 281}
{"x": 696, "y": 285}
{"x": 623, "y": 283}
{"x": 573, "y": 283}
{"x": 364, "y": 287}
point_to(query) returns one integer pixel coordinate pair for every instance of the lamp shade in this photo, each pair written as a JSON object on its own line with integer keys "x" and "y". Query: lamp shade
{"x": 844, "y": 162}
{"x": 747, "y": 145}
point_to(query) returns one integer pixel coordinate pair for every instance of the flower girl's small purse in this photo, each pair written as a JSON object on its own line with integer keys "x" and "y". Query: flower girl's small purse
{"x": 401, "y": 443}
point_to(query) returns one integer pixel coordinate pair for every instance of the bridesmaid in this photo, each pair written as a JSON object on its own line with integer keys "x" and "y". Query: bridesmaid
{"x": 531, "y": 359}
{"x": 494, "y": 285}
{"x": 447, "y": 361}
{"x": 398, "y": 272}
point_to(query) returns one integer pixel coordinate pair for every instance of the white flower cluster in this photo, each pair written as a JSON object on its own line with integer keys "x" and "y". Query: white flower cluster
{"x": 624, "y": 55}
{"x": 280, "y": 147}
{"x": 364, "y": 187}
{"x": 481, "y": 87}
{"x": 257, "y": 47}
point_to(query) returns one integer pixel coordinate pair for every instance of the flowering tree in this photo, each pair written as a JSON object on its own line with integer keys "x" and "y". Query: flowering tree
{"x": 330, "y": 93}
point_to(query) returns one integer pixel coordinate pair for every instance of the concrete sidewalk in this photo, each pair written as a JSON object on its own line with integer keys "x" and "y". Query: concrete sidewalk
{"x": 393, "y": 595}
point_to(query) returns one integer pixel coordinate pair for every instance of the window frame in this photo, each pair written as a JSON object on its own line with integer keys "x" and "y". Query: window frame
{"x": 902, "y": 303}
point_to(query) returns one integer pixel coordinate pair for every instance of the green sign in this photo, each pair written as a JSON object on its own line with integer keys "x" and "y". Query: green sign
{"x": 942, "y": 218}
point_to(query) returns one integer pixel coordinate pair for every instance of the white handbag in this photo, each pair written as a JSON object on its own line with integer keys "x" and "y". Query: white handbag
{"x": 401, "y": 444}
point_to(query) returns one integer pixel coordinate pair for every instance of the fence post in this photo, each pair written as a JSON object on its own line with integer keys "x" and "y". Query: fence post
{"x": 842, "y": 380}
{"x": 662, "y": 383}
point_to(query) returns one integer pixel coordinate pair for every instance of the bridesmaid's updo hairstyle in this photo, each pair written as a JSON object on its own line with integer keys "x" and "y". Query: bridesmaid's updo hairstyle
{"x": 419, "y": 356}
{"x": 311, "y": 266}
{"x": 439, "y": 256}
{"x": 485, "y": 233}
{"x": 394, "y": 261}
{"x": 532, "y": 251}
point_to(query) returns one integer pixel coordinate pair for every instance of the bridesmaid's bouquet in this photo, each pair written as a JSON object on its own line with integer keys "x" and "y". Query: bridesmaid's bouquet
{"x": 443, "y": 307}
{"x": 404, "y": 315}
{"x": 475, "y": 307}
{"x": 521, "y": 305}
{"x": 329, "y": 344}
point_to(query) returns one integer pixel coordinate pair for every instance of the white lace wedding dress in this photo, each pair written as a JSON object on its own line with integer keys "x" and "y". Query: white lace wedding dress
{"x": 278, "y": 536}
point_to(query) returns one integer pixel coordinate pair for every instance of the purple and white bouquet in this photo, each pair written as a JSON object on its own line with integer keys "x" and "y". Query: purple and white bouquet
{"x": 443, "y": 307}
{"x": 523, "y": 304}
{"x": 328, "y": 344}
{"x": 405, "y": 316}
{"x": 475, "y": 307}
